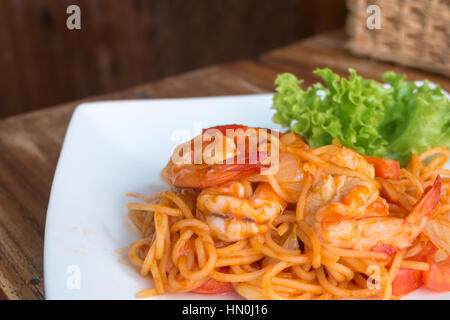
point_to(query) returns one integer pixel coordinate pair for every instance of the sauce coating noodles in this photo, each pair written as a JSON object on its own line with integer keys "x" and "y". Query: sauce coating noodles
{"x": 289, "y": 261}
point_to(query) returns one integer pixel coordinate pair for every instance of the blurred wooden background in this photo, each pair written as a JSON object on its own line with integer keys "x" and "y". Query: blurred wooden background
{"x": 124, "y": 43}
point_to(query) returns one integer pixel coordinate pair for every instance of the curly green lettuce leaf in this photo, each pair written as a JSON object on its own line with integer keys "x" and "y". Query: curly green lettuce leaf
{"x": 363, "y": 114}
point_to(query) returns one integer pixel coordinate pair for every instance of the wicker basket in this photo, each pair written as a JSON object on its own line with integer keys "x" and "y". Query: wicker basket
{"x": 413, "y": 33}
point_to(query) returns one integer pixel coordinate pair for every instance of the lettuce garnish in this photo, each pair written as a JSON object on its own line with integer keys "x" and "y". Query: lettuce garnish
{"x": 373, "y": 119}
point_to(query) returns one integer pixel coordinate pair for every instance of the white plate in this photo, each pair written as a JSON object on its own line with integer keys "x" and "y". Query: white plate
{"x": 112, "y": 148}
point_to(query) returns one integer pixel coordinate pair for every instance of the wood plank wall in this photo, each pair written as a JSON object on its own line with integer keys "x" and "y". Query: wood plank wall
{"x": 123, "y": 43}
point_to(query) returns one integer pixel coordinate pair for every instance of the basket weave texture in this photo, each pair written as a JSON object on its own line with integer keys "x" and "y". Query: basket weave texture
{"x": 413, "y": 33}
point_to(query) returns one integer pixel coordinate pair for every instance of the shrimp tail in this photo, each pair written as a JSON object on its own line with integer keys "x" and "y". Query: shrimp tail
{"x": 426, "y": 205}
{"x": 419, "y": 216}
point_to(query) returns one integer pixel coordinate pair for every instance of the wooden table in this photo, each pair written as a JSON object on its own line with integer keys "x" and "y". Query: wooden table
{"x": 30, "y": 143}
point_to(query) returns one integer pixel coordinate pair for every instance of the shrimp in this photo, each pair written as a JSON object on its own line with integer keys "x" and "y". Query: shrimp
{"x": 215, "y": 167}
{"x": 234, "y": 212}
{"x": 200, "y": 176}
{"x": 349, "y": 212}
{"x": 384, "y": 234}
{"x": 336, "y": 197}
{"x": 347, "y": 158}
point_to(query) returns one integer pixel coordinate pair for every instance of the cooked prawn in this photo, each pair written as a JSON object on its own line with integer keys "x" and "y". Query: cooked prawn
{"x": 346, "y": 158}
{"x": 228, "y": 160}
{"x": 349, "y": 212}
{"x": 202, "y": 176}
{"x": 384, "y": 234}
{"x": 337, "y": 197}
{"x": 234, "y": 212}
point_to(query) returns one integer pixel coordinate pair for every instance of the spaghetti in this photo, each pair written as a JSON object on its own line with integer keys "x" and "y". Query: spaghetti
{"x": 289, "y": 261}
